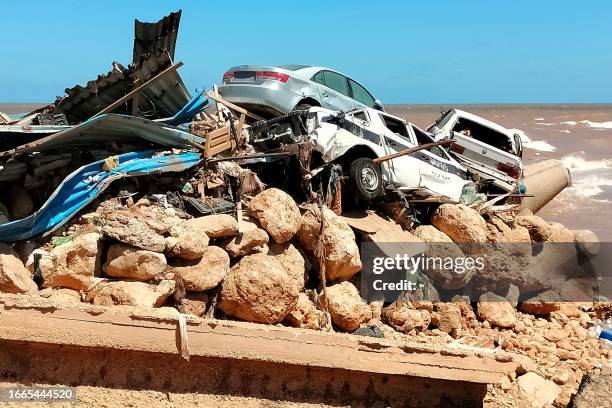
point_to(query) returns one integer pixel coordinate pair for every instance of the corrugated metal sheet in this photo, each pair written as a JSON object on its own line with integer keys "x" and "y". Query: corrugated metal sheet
{"x": 111, "y": 127}
{"x": 163, "y": 98}
{"x": 152, "y": 37}
{"x": 81, "y": 103}
{"x": 85, "y": 184}
{"x": 166, "y": 95}
{"x": 12, "y": 136}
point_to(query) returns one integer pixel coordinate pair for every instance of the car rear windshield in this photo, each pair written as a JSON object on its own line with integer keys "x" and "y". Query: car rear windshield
{"x": 293, "y": 67}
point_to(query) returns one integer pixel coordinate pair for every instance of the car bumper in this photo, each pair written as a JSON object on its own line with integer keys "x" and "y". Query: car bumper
{"x": 274, "y": 96}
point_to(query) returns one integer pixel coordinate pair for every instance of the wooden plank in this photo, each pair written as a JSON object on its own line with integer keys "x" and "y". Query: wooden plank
{"x": 219, "y": 99}
{"x": 413, "y": 150}
{"x": 137, "y": 90}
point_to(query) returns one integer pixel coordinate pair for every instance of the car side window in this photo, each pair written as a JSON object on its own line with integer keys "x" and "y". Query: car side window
{"x": 423, "y": 138}
{"x": 319, "y": 78}
{"x": 336, "y": 82}
{"x": 360, "y": 94}
{"x": 395, "y": 145}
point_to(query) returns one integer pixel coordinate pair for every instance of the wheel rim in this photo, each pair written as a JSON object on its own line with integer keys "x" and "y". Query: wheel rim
{"x": 369, "y": 180}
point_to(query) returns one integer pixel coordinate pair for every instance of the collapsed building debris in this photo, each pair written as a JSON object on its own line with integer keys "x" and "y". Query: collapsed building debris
{"x": 131, "y": 194}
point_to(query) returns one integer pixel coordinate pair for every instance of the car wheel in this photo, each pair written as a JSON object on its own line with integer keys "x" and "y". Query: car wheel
{"x": 366, "y": 178}
{"x": 302, "y": 106}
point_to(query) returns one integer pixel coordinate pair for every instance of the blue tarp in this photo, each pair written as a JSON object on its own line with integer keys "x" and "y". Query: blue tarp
{"x": 187, "y": 112}
{"x": 83, "y": 185}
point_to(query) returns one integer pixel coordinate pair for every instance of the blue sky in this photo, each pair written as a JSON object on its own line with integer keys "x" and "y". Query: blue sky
{"x": 404, "y": 51}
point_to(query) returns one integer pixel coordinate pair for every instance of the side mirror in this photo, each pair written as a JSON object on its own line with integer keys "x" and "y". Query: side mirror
{"x": 378, "y": 105}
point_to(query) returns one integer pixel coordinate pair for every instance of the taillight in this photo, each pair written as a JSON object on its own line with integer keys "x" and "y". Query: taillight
{"x": 510, "y": 170}
{"x": 228, "y": 75}
{"x": 272, "y": 75}
{"x": 457, "y": 148}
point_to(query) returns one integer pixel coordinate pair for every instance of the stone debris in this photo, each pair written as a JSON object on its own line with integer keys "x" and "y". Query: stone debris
{"x": 403, "y": 317}
{"x": 258, "y": 289}
{"x": 268, "y": 269}
{"x": 213, "y": 240}
{"x": 205, "y": 273}
{"x": 293, "y": 261}
{"x": 246, "y": 242}
{"x": 14, "y": 277}
{"x": 461, "y": 223}
{"x": 496, "y": 310}
{"x": 347, "y": 309}
{"x": 123, "y": 227}
{"x": 539, "y": 391}
{"x": 215, "y": 226}
{"x": 127, "y": 262}
{"x": 341, "y": 254}
{"x": 277, "y": 213}
{"x": 539, "y": 230}
{"x": 306, "y": 315}
{"x": 131, "y": 293}
{"x": 186, "y": 242}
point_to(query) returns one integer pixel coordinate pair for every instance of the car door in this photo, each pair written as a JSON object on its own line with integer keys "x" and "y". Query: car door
{"x": 334, "y": 90}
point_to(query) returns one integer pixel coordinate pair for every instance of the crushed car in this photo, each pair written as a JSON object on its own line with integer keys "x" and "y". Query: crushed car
{"x": 486, "y": 148}
{"x": 362, "y": 141}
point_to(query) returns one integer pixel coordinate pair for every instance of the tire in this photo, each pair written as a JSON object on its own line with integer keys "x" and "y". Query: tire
{"x": 366, "y": 179}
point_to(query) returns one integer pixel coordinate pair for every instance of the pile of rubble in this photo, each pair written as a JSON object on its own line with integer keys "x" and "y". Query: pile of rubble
{"x": 298, "y": 265}
{"x": 270, "y": 241}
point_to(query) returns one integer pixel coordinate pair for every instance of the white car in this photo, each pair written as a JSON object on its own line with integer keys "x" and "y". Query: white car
{"x": 356, "y": 138}
{"x": 485, "y": 147}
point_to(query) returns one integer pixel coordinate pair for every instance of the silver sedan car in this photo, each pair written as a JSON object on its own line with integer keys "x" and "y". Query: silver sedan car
{"x": 284, "y": 88}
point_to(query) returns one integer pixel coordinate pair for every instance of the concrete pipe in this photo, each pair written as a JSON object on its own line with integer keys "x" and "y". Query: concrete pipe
{"x": 545, "y": 180}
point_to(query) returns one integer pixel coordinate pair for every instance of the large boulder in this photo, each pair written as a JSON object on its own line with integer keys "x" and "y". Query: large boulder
{"x": 123, "y": 261}
{"x": 20, "y": 203}
{"x": 496, "y": 310}
{"x": 440, "y": 246}
{"x": 215, "y": 226}
{"x": 587, "y": 243}
{"x": 277, "y": 213}
{"x": 403, "y": 317}
{"x": 539, "y": 230}
{"x": 347, "y": 309}
{"x": 246, "y": 242}
{"x": 186, "y": 242}
{"x": 258, "y": 289}
{"x": 14, "y": 277}
{"x": 448, "y": 318}
{"x": 560, "y": 233}
{"x": 542, "y": 304}
{"x": 290, "y": 257}
{"x": 460, "y": 222}
{"x": 124, "y": 227}
{"x": 306, "y": 315}
{"x": 429, "y": 233}
{"x": 595, "y": 390}
{"x": 71, "y": 265}
{"x": 499, "y": 231}
{"x": 341, "y": 253}
{"x": 539, "y": 391}
{"x": 205, "y": 273}
{"x": 131, "y": 293}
